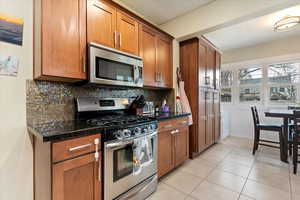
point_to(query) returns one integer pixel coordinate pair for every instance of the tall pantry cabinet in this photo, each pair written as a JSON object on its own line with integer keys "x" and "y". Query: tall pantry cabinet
{"x": 200, "y": 67}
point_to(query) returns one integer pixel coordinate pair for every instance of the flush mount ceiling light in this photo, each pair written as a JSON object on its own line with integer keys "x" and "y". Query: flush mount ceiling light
{"x": 286, "y": 23}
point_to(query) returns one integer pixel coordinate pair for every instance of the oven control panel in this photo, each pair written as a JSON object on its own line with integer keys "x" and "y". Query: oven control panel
{"x": 132, "y": 132}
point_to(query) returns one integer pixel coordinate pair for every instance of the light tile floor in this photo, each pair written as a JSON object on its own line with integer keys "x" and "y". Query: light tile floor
{"x": 228, "y": 171}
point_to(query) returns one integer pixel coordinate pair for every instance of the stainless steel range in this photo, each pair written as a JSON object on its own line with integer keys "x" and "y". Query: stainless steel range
{"x": 130, "y": 148}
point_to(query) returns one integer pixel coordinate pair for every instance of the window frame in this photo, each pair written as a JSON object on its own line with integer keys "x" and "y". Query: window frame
{"x": 228, "y": 86}
{"x": 264, "y": 85}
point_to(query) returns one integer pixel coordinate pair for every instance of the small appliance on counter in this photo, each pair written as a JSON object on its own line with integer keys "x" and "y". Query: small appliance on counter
{"x": 148, "y": 108}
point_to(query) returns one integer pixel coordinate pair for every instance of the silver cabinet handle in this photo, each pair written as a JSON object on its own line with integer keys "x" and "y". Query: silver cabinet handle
{"x": 115, "y": 38}
{"x": 97, "y": 141}
{"x": 168, "y": 126}
{"x": 83, "y": 65}
{"x": 79, "y": 147}
{"x": 175, "y": 131}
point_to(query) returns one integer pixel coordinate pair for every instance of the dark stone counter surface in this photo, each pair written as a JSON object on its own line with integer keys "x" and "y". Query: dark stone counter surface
{"x": 171, "y": 115}
{"x": 62, "y": 130}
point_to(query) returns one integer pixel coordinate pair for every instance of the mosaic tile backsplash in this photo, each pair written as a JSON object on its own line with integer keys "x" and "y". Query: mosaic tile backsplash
{"x": 53, "y": 101}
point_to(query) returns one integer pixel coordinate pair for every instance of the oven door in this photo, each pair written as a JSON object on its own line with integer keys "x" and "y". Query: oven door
{"x": 122, "y": 171}
{"x": 111, "y": 67}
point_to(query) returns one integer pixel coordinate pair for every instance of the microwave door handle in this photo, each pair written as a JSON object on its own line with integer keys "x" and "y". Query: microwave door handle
{"x": 136, "y": 74}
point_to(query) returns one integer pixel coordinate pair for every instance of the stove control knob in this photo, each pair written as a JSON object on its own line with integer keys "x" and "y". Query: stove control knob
{"x": 127, "y": 133}
{"x": 137, "y": 131}
{"x": 119, "y": 135}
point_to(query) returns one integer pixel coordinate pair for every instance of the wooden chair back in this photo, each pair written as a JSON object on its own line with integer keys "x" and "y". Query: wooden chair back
{"x": 255, "y": 116}
{"x": 296, "y": 120}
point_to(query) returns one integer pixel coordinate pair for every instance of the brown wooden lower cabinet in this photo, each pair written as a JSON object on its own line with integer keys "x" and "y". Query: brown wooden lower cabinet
{"x": 173, "y": 145}
{"x": 77, "y": 179}
{"x": 73, "y": 175}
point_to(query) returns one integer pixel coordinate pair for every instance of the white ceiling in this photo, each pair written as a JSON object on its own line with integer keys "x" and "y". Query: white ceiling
{"x": 253, "y": 32}
{"x": 161, "y": 11}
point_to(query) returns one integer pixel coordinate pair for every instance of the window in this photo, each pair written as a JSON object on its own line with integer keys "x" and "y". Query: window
{"x": 250, "y": 94}
{"x": 283, "y": 79}
{"x": 226, "y": 95}
{"x": 226, "y": 84}
{"x": 226, "y": 78}
{"x": 252, "y": 75}
{"x": 283, "y": 73}
{"x": 286, "y": 94}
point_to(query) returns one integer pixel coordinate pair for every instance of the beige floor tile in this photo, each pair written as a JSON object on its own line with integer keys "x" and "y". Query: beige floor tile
{"x": 243, "y": 197}
{"x": 277, "y": 177}
{"x": 263, "y": 192}
{"x": 210, "y": 191}
{"x": 183, "y": 181}
{"x": 214, "y": 155}
{"x": 234, "y": 168}
{"x": 200, "y": 170}
{"x": 295, "y": 184}
{"x": 222, "y": 147}
{"x": 295, "y": 197}
{"x": 210, "y": 162}
{"x": 227, "y": 180}
{"x": 190, "y": 198}
{"x": 165, "y": 192}
{"x": 243, "y": 160}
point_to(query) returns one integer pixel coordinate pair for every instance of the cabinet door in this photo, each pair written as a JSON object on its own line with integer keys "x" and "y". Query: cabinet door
{"x": 209, "y": 135}
{"x": 202, "y": 65}
{"x": 165, "y": 161}
{"x": 101, "y": 23}
{"x": 64, "y": 38}
{"x": 217, "y": 70}
{"x": 127, "y": 29}
{"x": 77, "y": 179}
{"x": 181, "y": 145}
{"x": 211, "y": 63}
{"x": 217, "y": 116}
{"x": 147, "y": 44}
{"x": 164, "y": 62}
{"x": 202, "y": 120}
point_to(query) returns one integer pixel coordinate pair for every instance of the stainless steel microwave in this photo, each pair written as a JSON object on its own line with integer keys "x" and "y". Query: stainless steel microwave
{"x": 108, "y": 66}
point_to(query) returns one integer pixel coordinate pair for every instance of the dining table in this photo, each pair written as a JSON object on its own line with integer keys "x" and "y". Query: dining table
{"x": 285, "y": 115}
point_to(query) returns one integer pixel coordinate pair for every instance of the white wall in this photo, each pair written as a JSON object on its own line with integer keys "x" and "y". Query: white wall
{"x": 16, "y": 172}
{"x": 280, "y": 47}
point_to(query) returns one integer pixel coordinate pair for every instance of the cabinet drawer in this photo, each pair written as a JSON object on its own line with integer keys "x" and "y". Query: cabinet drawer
{"x": 182, "y": 121}
{"x": 74, "y": 147}
{"x": 171, "y": 124}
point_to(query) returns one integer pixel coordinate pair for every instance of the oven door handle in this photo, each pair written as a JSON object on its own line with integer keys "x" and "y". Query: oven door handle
{"x": 118, "y": 144}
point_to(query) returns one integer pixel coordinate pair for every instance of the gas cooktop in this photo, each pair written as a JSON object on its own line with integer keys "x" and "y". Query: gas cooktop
{"x": 119, "y": 120}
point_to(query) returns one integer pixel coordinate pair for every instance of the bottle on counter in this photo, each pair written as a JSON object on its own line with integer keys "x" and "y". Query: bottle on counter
{"x": 178, "y": 105}
{"x": 165, "y": 107}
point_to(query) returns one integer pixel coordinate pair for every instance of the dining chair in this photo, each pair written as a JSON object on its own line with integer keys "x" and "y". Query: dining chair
{"x": 258, "y": 127}
{"x": 296, "y": 139}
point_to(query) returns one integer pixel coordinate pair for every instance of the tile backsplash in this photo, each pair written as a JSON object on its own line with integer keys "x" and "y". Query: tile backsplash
{"x": 53, "y": 101}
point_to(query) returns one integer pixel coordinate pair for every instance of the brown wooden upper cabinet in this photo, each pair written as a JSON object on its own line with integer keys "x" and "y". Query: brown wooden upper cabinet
{"x": 164, "y": 62}
{"x": 60, "y": 40}
{"x": 111, "y": 27}
{"x": 156, "y": 51}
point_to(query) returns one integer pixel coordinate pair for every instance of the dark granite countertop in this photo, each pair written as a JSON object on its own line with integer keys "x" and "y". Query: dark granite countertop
{"x": 167, "y": 116}
{"x": 61, "y": 130}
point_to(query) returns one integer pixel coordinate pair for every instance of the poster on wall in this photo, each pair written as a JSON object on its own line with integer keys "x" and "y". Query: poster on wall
{"x": 11, "y": 29}
{"x": 9, "y": 66}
